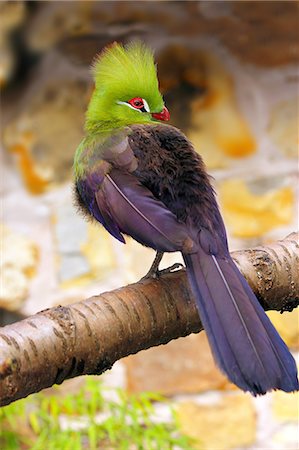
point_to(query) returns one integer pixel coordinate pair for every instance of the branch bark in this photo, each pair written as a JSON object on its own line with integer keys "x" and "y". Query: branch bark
{"x": 89, "y": 336}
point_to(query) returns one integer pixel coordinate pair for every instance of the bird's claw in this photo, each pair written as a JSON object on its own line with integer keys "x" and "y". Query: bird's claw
{"x": 171, "y": 269}
{"x": 154, "y": 273}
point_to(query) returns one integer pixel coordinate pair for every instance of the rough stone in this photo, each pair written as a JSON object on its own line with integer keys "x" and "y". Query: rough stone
{"x": 265, "y": 35}
{"x": 248, "y": 214}
{"x": 283, "y": 127}
{"x": 19, "y": 259}
{"x": 285, "y": 406}
{"x": 12, "y": 16}
{"x": 287, "y": 324}
{"x": 98, "y": 251}
{"x": 286, "y": 437}
{"x": 181, "y": 366}
{"x": 227, "y": 423}
{"x": 47, "y": 128}
{"x": 84, "y": 255}
{"x": 212, "y": 118}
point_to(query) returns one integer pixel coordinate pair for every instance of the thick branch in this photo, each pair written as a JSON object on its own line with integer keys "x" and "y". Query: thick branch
{"x": 88, "y": 337}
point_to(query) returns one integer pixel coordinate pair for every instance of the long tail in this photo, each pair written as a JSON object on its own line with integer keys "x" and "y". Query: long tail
{"x": 244, "y": 342}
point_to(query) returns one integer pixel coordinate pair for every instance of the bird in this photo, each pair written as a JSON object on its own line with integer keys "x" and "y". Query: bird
{"x": 139, "y": 176}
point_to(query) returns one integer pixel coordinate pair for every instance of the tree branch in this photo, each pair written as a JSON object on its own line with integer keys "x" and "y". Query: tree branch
{"x": 88, "y": 337}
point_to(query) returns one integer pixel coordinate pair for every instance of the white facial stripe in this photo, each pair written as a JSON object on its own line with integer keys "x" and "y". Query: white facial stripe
{"x": 128, "y": 104}
{"x": 146, "y": 107}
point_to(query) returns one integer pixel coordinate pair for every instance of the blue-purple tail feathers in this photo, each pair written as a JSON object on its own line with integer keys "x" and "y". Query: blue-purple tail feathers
{"x": 244, "y": 342}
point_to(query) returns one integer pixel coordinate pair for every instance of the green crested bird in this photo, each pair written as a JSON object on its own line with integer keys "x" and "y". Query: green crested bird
{"x": 140, "y": 177}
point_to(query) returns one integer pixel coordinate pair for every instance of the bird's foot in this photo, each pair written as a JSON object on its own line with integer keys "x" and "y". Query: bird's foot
{"x": 155, "y": 273}
{"x": 171, "y": 269}
{"x": 154, "y": 269}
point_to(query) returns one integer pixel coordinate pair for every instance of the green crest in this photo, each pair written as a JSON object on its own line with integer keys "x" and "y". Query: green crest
{"x": 122, "y": 73}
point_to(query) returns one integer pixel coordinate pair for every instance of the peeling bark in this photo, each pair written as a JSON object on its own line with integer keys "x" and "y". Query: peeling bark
{"x": 89, "y": 336}
{"x": 272, "y": 272}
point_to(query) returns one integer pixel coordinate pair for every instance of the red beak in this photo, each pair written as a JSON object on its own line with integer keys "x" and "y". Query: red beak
{"x": 163, "y": 115}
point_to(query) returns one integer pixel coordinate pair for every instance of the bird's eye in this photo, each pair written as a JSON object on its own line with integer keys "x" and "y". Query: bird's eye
{"x": 136, "y": 103}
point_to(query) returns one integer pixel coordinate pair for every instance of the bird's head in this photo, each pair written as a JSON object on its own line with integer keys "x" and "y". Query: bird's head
{"x": 126, "y": 88}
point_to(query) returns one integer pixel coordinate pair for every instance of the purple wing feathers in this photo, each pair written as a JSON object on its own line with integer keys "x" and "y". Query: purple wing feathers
{"x": 136, "y": 212}
{"x": 245, "y": 344}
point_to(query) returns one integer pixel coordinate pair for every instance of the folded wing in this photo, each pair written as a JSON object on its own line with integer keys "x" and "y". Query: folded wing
{"x": 130, "y": 207}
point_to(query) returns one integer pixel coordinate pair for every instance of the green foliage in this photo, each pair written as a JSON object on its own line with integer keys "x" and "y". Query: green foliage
{"x": 92, "y": 422}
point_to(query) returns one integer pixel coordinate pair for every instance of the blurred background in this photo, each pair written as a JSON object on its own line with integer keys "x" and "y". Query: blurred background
{"x": 229, "y": 75}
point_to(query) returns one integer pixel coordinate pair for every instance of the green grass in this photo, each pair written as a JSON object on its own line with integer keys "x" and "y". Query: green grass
{"x": 125, "y": 423}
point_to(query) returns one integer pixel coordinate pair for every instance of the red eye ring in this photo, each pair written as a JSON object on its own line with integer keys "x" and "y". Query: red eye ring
{"x": 136, "y": 102}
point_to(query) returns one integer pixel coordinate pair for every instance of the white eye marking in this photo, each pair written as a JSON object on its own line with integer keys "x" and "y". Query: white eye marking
{"x": 128, "y": 104}
{"x": 145, "y": 105}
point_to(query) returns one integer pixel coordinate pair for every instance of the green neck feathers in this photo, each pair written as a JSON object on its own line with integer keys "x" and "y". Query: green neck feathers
{"x": 122, "y": 75}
